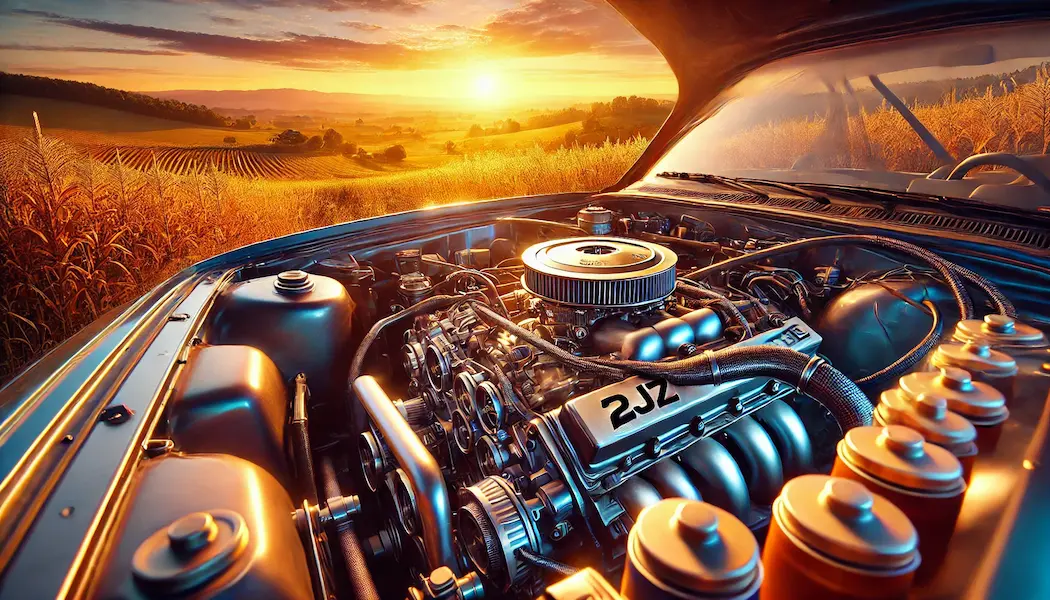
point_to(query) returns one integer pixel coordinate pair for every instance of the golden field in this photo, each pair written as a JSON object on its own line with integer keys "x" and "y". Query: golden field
{"x": 81, "y": 236}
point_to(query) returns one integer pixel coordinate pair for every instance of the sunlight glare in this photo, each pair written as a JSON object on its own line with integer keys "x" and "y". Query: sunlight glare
{"x": 486, "y": 86}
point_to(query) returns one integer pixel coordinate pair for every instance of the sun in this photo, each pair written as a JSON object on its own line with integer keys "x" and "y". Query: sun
{"x": 486, "y": 86}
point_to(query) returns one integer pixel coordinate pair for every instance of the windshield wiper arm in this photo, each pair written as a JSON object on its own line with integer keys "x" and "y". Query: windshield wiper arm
{"x": 787, "y": 187}
{"x": 924, "y": 134}
{"x": 746, "y": 183}
{"x": 716, "y": 179}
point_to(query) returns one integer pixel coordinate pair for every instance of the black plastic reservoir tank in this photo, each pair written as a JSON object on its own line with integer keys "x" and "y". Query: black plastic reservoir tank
{"x": 300, "y": 320}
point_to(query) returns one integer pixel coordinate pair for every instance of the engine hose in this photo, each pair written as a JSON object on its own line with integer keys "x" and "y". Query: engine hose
{"x": 693, "y": 290}
{"x": 811, "y": 375}
{"x": 950, "y": 272}
{"x": 364, "y": 587}
{"x": 541, "y": 561}
{"x": 300, "y": 440}
{"x": 913, "y": 357}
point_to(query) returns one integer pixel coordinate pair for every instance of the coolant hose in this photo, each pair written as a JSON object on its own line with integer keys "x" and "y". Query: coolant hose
{"x": 693, "y": 290}
{"x": 950, "y": 272}
{"x": 354, "y": 558}
{"x": 811, "y": 375}
{"x": 300, "y": 435}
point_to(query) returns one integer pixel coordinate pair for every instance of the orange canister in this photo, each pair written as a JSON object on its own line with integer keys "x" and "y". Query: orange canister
{"x": 999, "y": 331}
{"x": 985, "y": 364}
{"x": 980, "y": 403}
{"x": 923, "y": 480}
{"x": 681, "y": 548}
{"x": 831, "y": 537}
{"x": 929, "y": 415}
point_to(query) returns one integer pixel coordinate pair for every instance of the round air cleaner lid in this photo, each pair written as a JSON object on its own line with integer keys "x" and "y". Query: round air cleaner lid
{"x": 599, "y": 272}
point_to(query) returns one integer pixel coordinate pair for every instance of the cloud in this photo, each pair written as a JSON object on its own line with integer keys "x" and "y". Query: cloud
{"x": 361, "y": 25}
{"x": 556, "y": 27}
{"x": 133, "y": 51}
{"x": 534, "y": 28}
{"x": 404, "y": 7}
{"x": 289, "y": 49}
{"x": 225, "y": 20}
{"x": 86, "y": 71}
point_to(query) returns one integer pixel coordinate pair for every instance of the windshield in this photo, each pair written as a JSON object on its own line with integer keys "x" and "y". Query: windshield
{"x": 842, "y": 118}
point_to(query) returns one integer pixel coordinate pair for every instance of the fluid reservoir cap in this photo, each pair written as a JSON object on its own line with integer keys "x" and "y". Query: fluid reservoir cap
{"x": 929, "y": 415}
{"x": 900, "y": 456}
{"x": 999, "y": 331}
{"x": 844, "y": 521}
{"x": 975, "y": 357}
{"x": 695, "y": 548}
{"x": 190, "y": 552}
{"x": 293, "y": 282}
{"x": 595, "y": 220}
{"x": 979, "y": 402}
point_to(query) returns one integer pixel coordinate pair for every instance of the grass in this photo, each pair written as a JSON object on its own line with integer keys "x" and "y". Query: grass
{"x": 80, "y": 236}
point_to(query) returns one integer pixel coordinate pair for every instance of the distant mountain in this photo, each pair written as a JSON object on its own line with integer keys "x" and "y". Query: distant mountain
{"x": 296, "y": 101}
{"x": 293, "y": 101}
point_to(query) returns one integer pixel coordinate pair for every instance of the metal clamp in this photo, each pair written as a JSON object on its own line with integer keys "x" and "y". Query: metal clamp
{"x": 807, "y": 372}
{"x": 716, "y": 373}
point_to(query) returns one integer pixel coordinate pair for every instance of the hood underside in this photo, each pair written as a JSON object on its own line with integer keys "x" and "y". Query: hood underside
{"x": 711, "y": 45}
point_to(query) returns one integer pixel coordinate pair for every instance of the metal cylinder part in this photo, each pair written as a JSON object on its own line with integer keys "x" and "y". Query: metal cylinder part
{"x": 671, "y": 480}
{"x": 1001, "y": 332}
{"x": 717, "y": 476}
{"x": 997, "y": 369}
{"x": 790, "y": 437}
{"x": 689, "y": 549}
{"x": 595, "y": 220}
{"x": 637, "y": 494}
{"x": 757, "y": 458}
{"x": 833, "y": 538}
{"x": 665, "y": 337}
{"x": 980, "y": 403}
{"x": 923, "y": 480}
{"x": 929, "y": 415}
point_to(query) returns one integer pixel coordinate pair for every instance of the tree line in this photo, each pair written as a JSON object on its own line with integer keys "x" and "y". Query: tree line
{"x": 97, "y": 95}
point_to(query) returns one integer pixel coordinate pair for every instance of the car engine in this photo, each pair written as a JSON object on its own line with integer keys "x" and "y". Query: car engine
{"x": 484, "y": 411}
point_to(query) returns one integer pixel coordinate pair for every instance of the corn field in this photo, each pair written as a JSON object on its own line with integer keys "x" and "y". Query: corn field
{"x": 1010, "y": 117}
{"x": 80, "y": 236}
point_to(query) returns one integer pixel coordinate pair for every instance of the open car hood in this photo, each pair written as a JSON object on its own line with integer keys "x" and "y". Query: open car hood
{"x": 710, "y": 45}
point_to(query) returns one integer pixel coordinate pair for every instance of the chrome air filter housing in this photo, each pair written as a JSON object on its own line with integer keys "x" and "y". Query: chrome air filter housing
{"x": 599, "y": 272}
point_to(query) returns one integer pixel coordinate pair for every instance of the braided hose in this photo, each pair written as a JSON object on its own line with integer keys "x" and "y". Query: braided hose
{"x": 952, "y": 273}
{"x": 825, "y": 384}
{"x": 353, "y": 556}
{"x": 906, "y": 363}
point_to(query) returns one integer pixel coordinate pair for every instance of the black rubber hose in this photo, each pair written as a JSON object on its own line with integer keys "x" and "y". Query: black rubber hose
{"x": 543, "y": 562}
{"x": 300, "y": 434}
{"x": 693, "y": 290}
{"x": 364, "y": 587}
{"x": 950, "y": 272}
{"x": 906, "y": 363}
{"x": 813, "y": 376}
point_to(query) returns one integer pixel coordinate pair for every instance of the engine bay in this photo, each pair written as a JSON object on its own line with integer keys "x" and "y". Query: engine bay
{"x": 504, "y": 410}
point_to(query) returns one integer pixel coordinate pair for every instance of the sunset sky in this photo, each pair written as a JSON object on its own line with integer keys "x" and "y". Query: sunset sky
{"x": 481, "y": 51}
